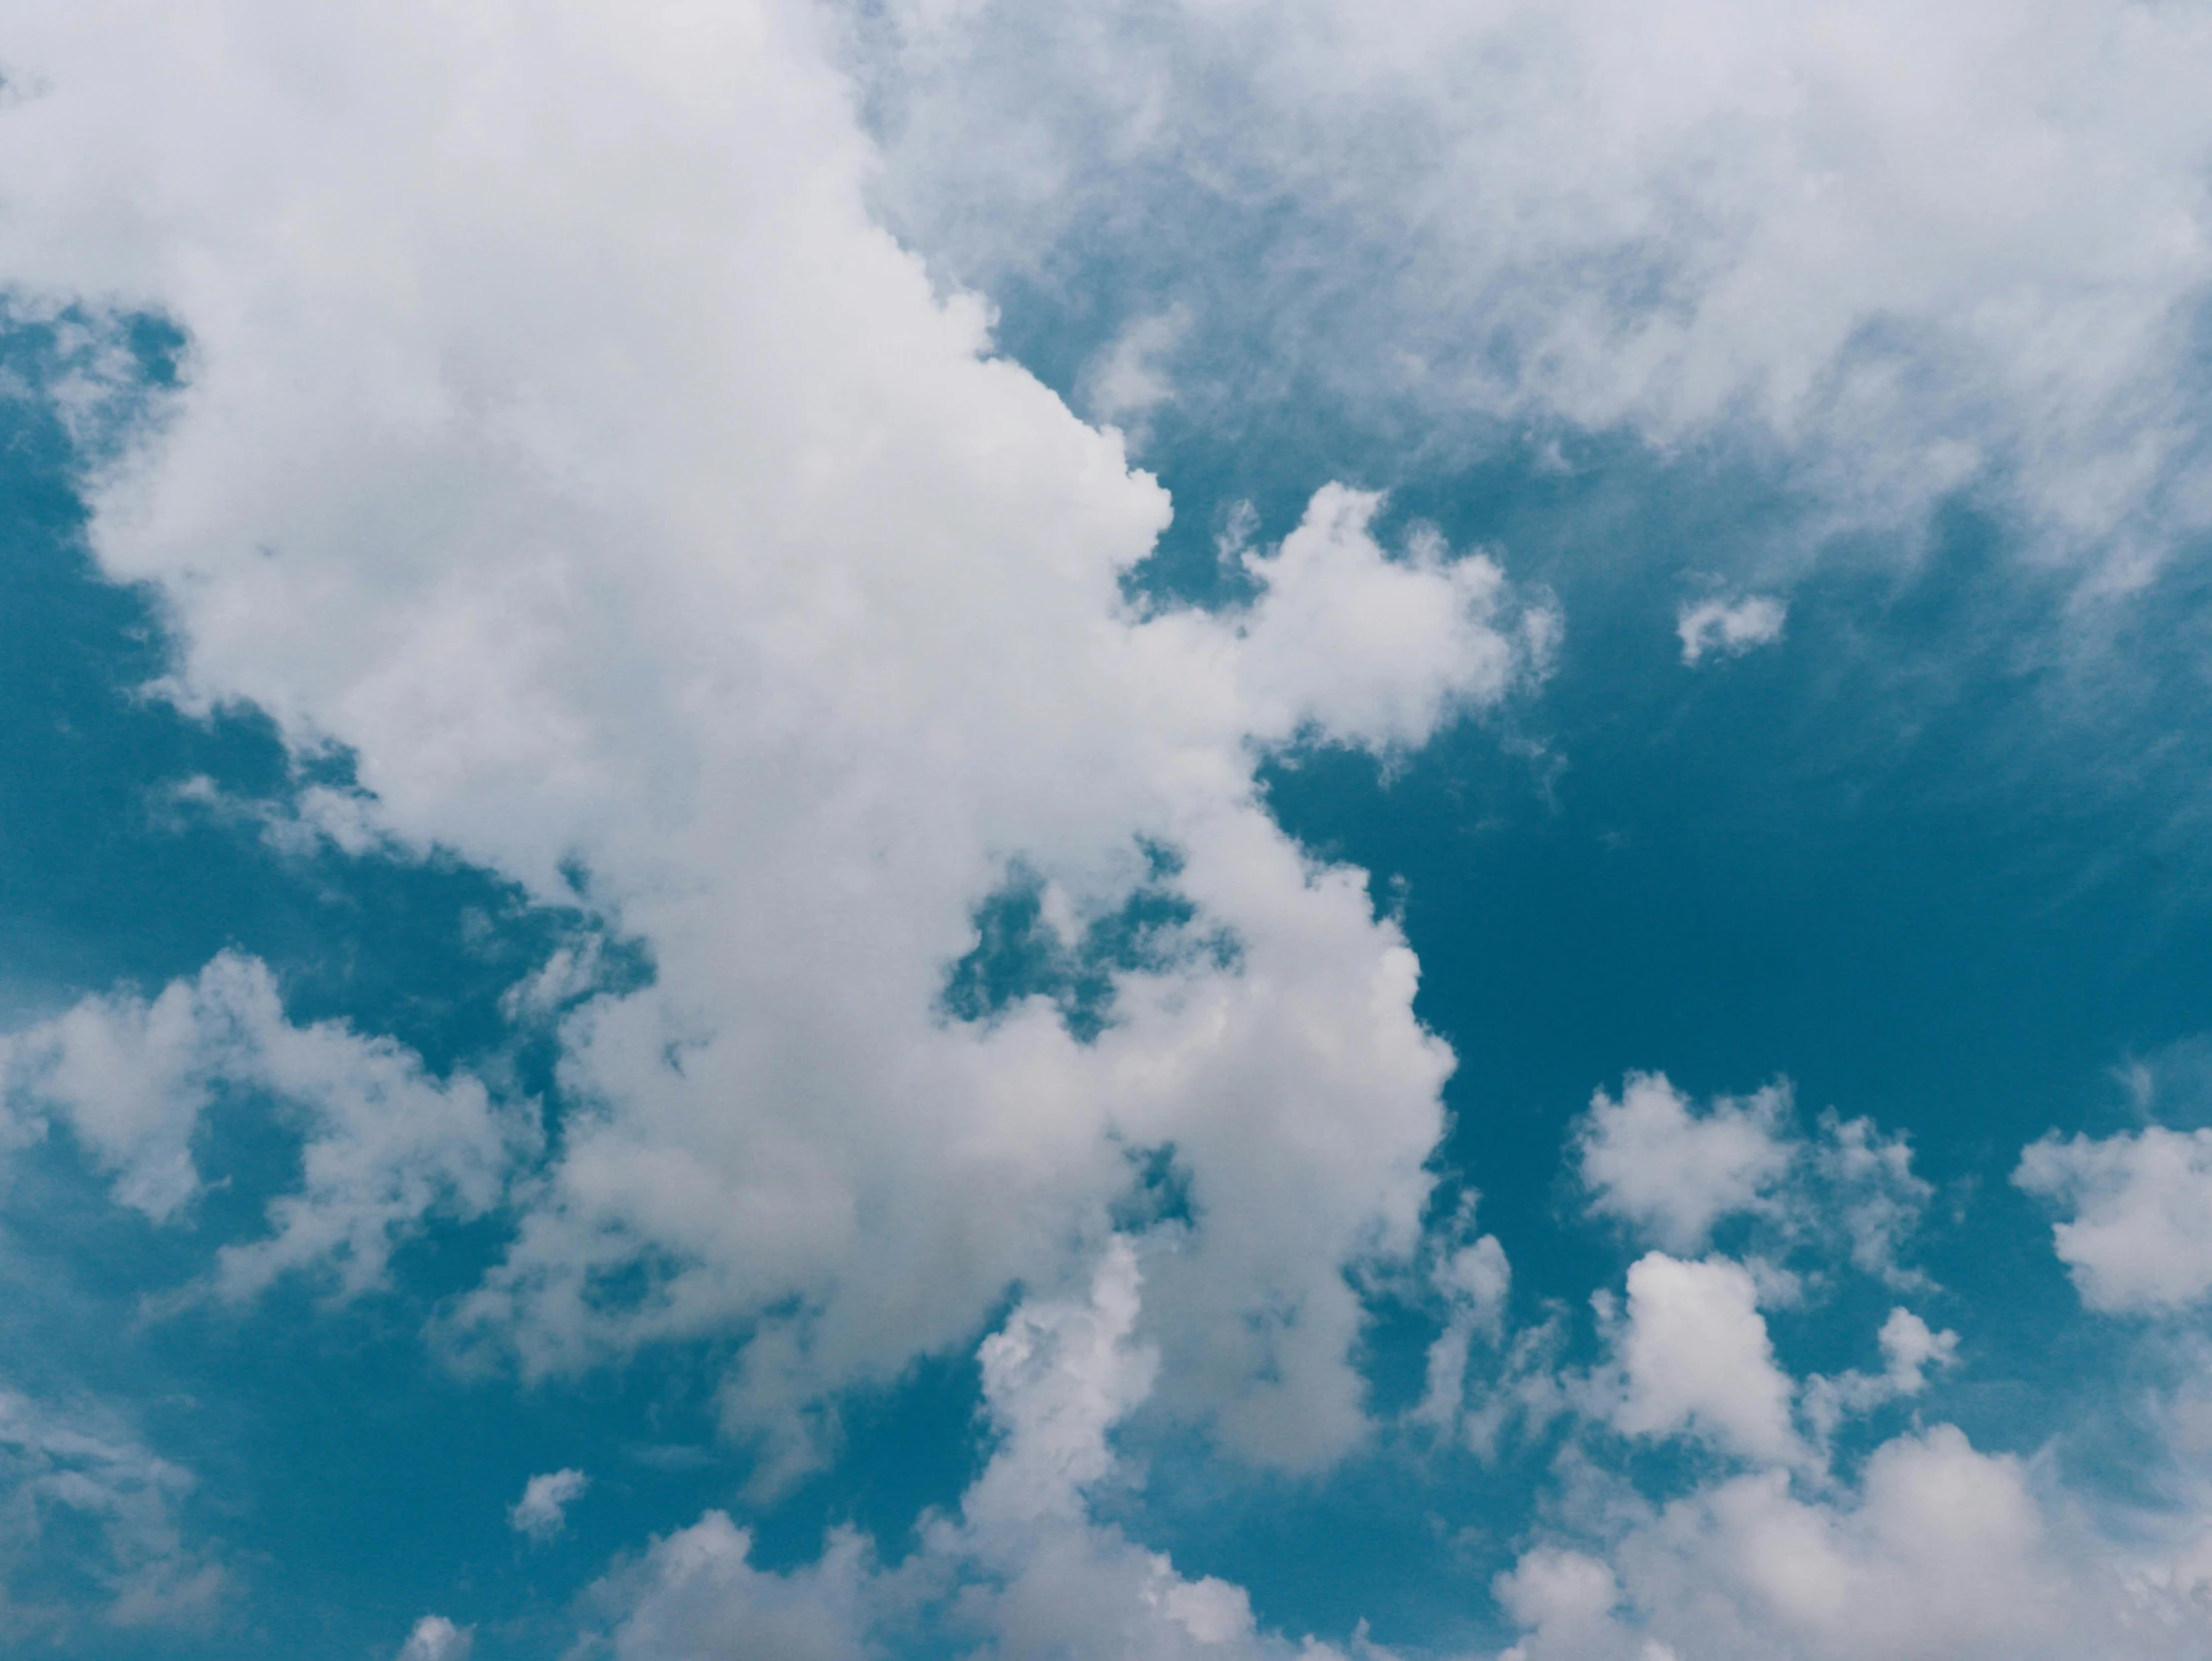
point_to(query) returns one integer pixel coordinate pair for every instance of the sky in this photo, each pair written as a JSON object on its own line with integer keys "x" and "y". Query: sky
{"x": 843, "y": 830}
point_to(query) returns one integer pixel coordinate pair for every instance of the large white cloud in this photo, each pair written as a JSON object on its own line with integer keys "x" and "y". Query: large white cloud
{"x": 1908, "y": 246}
{"x": 560, "y": 435}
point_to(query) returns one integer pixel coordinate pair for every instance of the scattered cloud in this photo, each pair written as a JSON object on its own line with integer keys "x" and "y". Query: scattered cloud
{"x": 436, "y": 1638}
{"x": 1729, "y": 628}
{"x": 2138, "y": 1236}
{"x": 1672, "y": 1172}
{"x": 542, "y": 1511}
{"x": 90, "y": 1527}
{"x": 382, "y": 1142}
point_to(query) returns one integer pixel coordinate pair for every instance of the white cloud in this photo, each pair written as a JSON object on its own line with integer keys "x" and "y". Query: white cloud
{"x": 1938, "y": 1551}
{"x": 1911, "y": 1350}
{"x": 436, "y": 1638}
{"x": 89, "y": 1524}
{"x": 1695, "y": 1359}
{"x": 648, "y": 514}
{"x": 1654, "y": 1163}
{"x": 1473, "y": 1280}
{"x": 542, "y": 1511}
{"x": 1907, "y": 248}
{"x": 2139, "y": 1236}
{"x": 1129, "y": 378}
{"x": 384, "y": 1144}
{"x": 1023, "y": 1573}
{"x": 1673, "y": 1173}
{"x": 1729, "y": 628}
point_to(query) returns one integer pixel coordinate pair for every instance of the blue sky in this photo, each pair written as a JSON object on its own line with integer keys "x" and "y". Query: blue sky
{"x": 1200, "y": 831}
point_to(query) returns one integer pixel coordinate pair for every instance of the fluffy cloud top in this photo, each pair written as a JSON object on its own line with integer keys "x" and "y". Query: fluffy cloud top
{"x": 436, "y": 1638}
{"x": 1022, "y": 1573}
{"x": 2139, "y": 1236}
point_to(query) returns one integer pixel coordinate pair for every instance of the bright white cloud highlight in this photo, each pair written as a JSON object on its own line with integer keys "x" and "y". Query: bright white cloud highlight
{"x": 1695, "y": 1359}
{"x": 2139, "y": 1233}
{"x": 1729, "y": 628}
{"x": 648, "y": 514}
{"x": 542, "y": 1511}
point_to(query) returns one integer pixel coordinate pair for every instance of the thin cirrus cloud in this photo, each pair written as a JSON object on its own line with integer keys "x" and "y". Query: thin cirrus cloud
{"x": 1909, "y": 251}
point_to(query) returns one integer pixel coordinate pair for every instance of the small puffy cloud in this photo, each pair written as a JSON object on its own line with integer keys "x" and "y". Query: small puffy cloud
{"x": 1671, "y": 1172}
{"x": 2138, "y": 1234}
{"x": 1911, "y": 1347}
{"x": 1695, "y": 1359}
{"x": 383, "y": 1142}
{"x": 1376, "y": 652}
{"x": 542, "y": 1511}
{"x": 1728, "y": 628}
{"x": 1654, "y": 1162}
{"x": 436, "y": 1638}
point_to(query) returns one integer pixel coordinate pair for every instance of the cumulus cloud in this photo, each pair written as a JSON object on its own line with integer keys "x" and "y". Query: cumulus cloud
{"x": 1023, "y": 1572}
{"x": 436, "y": 1638}
{"x": 1653, "y": 1162}
{"x": 1932, "y": 1548}
{"x": 1695, "y": 1359}
{"x": 384, "y": 1144}
{"x": 1672, "y": 1172}
{"x": 542, "y": 1511}
{"x": 1906, "y": 250}
{"x": 1729, "y": 628}
{"x": 1910, "y": 1352}
{"x": 2138, "y": 1236}
{"x": 651, "y": 520}
{"x": 90, "y": 1524}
